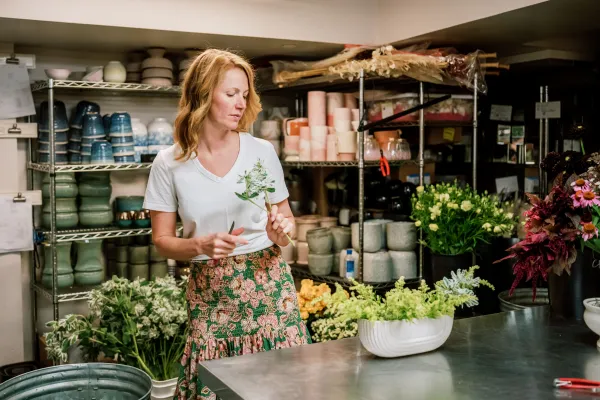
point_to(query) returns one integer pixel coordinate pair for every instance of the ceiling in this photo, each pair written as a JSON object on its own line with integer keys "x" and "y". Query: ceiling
{"x": 569, "y": 25}
{"x": 65, "y": 36}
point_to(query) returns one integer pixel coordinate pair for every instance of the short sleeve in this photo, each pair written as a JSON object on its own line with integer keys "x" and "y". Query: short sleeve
{"x": 276, "y": 170}
{"x": 160, "y": 191}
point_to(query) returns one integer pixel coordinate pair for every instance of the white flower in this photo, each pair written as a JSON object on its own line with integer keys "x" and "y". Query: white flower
{"x": 444, "y": 197}
{"x": 509, "y": 215}
{"x": 418, "y": 223}
{"x": 466, "y": 205}
{"x": 433, "y": 227}
{"x": 497, "y": 229}
{"x": 435, "y": 211}
{"x": 420, "y": 189}
{"x": 487, "y": 226}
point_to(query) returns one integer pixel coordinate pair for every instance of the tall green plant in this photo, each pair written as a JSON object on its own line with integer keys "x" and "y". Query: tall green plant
{"x": 140, "y": 323}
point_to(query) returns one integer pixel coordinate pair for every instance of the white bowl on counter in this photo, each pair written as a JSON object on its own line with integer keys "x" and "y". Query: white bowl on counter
{"x": 403, "y": 338}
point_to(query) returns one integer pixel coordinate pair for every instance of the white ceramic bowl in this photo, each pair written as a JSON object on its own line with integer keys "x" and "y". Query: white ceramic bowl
{"x": 158, "y": 82}
{"x": 402, "y": 338}
{"x": 157, "y": 73}
{"x": 58, "y": 73}
{"x": 591, "y": 315}
{"x": 153, "y": 62}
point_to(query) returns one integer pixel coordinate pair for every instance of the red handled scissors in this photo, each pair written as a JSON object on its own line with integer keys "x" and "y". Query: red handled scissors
{"x": 384, "y": 165}
{"x": 577, "y": 384}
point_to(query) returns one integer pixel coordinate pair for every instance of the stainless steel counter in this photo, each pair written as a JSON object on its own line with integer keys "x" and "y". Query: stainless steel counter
{"x": 512, "y": 355}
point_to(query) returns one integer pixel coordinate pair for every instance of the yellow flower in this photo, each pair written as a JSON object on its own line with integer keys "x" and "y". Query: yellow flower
{"x": 419, "y": 206}
{"x": 420, "y": 189}
{"x": 478, "y": 211}
{"x": 497, "y": 229}
{"x": 509, "y": 215}
{"x": 487, "y": 226}
{"x": 433, "y": 227}
{"x": 418, "y": 223}
{"x": 435, "y": 211}
{"x": 466, "y": 205}
{"x": 444, "y": 197}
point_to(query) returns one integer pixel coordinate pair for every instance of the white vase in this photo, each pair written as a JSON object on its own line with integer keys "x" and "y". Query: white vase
{"x": 402, "y": 338}
{"x": 163, "y": 389}
{"x": 140, "y": 133}
{"x": 115, "y": 72}
{"x": 160, "y": 132}
{"x": 591, "y": 315}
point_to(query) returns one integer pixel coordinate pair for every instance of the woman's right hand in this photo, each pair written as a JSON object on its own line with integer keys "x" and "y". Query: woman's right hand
{"x": 220, "y": 245}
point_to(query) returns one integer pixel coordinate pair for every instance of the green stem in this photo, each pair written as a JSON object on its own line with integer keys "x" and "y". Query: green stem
{"x": 581, "y": 144}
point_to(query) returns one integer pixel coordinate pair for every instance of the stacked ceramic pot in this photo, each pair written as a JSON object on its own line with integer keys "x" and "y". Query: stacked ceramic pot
{"x": 134, "y": 67}
{"x": 159, "y": 267}
{"x": 76, "y": 132}
{"x": 304, "y": 224}
{"x": 61, "y": 128}
{"x": 380, "y": 264}
{"x": 138, "y": 256}
{"x": 185, "y": 64}
{"x": 160, "y": 135}
{"x": 93, "y": 130}
{"x": 91, "y": 267}
{"x": 65, "y": 276}
{"x": 94, "y": 195}
{"x": 140, "y": 139}
{"x": 121, "y": 138}
{"x": 129, "y": 212}
{"x": 320, "y": 255}
{"x": 157, "y": 70}
{"x": 66, "y": 201}
{"x": 401, "y": 242}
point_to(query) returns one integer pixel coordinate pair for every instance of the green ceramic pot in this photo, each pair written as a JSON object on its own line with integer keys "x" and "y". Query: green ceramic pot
{"x": 159, "y": 270}
{"x": 94, "y": 203}
{"x": 155, "y": 256}
{"x": 89, "y": 256}
{"x": 124, "y": 219}
{"x": 95, "y": 177}
{"x": 142, "y": 240}
{"x": 141, "y": 223}
{"x": 63, "y": 189}
{"x": 63, "y": 205}
{"x": 95, "y": 219}
{"x": 66, "y": 177}
{"x": 122, "y": 253}
{"x": 129, "y": 203}
{"x": 63, "y": 259}
{"x": 64, "y": 281}
{"x": 138, "y": 255}
{"x": 138, "y": 271}
{"x": 95, "y": 189}
{"x": 89, "y": 278}
{"x": 121, "y": 269}
{"x": 63, "y": 220}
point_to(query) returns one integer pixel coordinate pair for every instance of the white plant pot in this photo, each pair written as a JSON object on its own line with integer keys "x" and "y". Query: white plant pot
{"x": 402, "y": 338}
{"x": 163, "y": 389}
{"x": 591, "y": 315}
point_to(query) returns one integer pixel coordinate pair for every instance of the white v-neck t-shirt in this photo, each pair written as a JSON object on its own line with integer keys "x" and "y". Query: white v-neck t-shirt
{"x": 207, "y": 203}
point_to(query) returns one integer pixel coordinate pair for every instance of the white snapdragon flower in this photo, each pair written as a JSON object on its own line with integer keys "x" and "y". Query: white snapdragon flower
{"x": 466, "y": 205}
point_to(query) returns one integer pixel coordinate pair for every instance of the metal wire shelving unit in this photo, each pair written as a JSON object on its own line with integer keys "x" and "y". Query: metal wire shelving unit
{"x": 331, "y": 82}
{"x": 53, "y": 236}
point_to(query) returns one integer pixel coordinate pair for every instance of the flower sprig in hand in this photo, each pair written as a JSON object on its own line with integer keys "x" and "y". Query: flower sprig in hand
{"x": 258, "y": 181}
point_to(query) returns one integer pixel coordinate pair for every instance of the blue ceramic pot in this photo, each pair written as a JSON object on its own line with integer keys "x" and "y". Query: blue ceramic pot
{"x": 139, "y": 150}
{"x": 106, "y": 122}
{"x": 61, "y": 158}
{"x": 102, "y": 153}
{"x": 45, "y": 147}
{"x": 85, "y": 159}
{"x": 92, "y": 125}
{"x": 83, "y": 107}
{"x": 74, "y": 147}
{"x": 75, "y": 134}
{"x": 61, "y": 123}
{"x": 123, "y": 149}
{"x": 129, "y": 203}
{"x": 125, "y": 159}
{"x": 120, "y": 122}
{"x": 59, "y": 137}
{"x": 128, "y": 139}
{"x": 75, "y": 158}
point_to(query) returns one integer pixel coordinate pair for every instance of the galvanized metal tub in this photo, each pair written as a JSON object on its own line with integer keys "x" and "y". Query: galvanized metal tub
{"x": 523, "y": 298}
{"x": 96, "y": 381}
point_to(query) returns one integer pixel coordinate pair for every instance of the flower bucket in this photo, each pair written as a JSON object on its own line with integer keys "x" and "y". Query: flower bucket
{"x": 163, "y": 389}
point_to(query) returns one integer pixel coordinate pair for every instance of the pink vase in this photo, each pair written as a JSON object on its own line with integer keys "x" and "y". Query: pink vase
{"x": 332, "y": 148}
{"x": 305, "y": 133}
{"x": 317, "y": 108}
{"x": 350, "y": 101}
{"x": 334, "y": 100}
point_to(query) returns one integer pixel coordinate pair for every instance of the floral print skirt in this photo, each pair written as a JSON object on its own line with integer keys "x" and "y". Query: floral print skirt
{"x": 238, "y": 305}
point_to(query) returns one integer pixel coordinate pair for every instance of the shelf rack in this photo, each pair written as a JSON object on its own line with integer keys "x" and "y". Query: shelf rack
{"x": 53, "y": 236}
{"x": 331, "y": 82}
{"x": 372, "y": 164}
{"x": 301, "y": 271}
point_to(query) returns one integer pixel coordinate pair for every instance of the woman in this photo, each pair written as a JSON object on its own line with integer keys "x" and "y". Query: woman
{"x": 241, "y": 296}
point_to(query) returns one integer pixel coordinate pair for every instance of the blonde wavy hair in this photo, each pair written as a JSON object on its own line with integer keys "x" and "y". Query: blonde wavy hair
{"x": 201, "y": 79}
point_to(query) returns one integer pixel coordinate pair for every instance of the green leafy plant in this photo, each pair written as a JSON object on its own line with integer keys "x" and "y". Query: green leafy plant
{"x": 329, "y": 326}
{"x": 258, "y": 181}
{"x": 140, "y": 323}
{"x": 455, "y": 220}
{"x": 404, "y": 304}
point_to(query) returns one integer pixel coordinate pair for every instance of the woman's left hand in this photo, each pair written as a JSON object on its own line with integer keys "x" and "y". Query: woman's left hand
{"x": 278, "y": 226}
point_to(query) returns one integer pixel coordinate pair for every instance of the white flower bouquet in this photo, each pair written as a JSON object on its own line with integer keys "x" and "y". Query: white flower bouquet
{"x": 455, "y": 220}
{"x": 140, "y": 323}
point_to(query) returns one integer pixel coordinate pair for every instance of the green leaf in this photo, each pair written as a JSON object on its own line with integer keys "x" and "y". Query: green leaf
{"x": 241, "y": 196}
